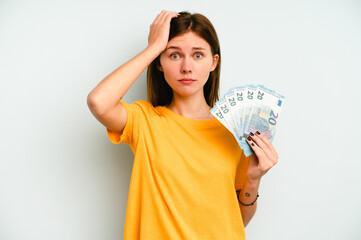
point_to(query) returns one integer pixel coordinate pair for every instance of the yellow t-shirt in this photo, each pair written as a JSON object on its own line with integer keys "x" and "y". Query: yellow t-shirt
{"x": 184, "y": 178}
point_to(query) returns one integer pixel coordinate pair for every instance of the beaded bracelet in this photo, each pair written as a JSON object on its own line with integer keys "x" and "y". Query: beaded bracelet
{"x": 238, "y": 191}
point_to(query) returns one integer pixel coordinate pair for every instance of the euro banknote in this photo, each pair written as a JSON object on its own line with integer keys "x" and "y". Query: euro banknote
{"x": 248, "y": 109}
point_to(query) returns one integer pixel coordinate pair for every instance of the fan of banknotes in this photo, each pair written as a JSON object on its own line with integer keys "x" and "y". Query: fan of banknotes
{"x": 248, "y": 109}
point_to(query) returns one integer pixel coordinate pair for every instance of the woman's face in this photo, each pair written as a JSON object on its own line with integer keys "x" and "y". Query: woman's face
{"x": 186, "y": 63}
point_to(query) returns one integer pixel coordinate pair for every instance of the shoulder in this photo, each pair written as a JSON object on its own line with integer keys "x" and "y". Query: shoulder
{"x": 145, "y": 107}
{"x": 143, "y": 104}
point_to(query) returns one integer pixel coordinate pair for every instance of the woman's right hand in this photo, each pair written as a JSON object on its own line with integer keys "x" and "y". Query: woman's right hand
{"x": 159, "y": 30}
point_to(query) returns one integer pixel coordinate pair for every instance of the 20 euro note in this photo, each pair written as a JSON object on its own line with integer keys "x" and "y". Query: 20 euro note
{"x": 247, "y": 110}
{"x": 234, "y": 109}
{"x": 217, "y": 113}
{"x": 224, "y": 107}
{"x": 235, "y": 97}
{"x": 248, "y": 93}
{"x": 240, "y": 100}
{"x": 265, "y": 112}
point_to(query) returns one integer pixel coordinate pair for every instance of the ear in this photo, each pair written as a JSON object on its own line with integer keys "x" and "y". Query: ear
{"x": 215, "y": 62}
{"x": 159, "y": 67}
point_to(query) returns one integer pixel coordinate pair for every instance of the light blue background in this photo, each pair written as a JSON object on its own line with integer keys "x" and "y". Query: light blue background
{"x": 61, "y": 178}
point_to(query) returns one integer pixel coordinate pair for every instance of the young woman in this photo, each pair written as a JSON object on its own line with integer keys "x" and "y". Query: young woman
{"x": 190, "y": 179}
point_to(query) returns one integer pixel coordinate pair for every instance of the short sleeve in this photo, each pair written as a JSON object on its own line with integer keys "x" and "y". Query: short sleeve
{"x": 241, "y": 172}
{"x": 130, "y": 131}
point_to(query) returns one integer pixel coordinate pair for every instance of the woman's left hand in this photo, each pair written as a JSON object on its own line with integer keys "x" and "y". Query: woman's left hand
{"x": 264, "y": 159}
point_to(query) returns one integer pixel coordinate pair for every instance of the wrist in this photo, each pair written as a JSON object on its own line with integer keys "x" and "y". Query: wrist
{"x": 244, "y": 197}
{"x": 253, "y": 182}
{"x": 155, "y": 48}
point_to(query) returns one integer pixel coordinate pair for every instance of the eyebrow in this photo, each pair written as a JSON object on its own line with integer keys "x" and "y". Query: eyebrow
{"x": 178, "y": 48}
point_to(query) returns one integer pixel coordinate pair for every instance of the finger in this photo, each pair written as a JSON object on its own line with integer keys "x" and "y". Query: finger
{"x": 165, "y": 14}
{"x": 264, "y": 165}
{"x": 168, "y": 17}
{"x": 266, "y": 141}
{"x": 263, "y": 159}
{"x": 158, "y": 18}
{"x": 259, "y": 142}
{"x": 269, "y": 158}
{"x": 257, "y": 150}
{"x": 270, "y": 151}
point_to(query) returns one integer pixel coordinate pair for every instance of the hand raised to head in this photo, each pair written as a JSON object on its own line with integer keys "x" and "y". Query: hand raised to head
{"x": 159, "y": 29}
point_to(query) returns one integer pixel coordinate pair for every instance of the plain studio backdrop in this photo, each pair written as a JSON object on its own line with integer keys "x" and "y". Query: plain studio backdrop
{"x": 62, "y": 179}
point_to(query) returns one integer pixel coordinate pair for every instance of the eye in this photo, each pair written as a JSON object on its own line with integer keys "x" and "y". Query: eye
{"x": 174, "y": 55}
{"x": 198, "y": 55}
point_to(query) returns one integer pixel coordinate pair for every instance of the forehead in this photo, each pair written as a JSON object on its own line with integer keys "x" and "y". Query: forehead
{"x": 188, "y": 40}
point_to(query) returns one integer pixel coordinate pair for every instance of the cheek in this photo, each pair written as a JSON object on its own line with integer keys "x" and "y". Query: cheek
{"x": 169, "y": 68}
{"x": 206, "y": 70}
{"x": 206, "y": 76}
{"x": 169, "y": 73}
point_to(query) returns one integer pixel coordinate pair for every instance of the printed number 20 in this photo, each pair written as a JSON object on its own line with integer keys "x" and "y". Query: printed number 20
{"x": 272, "y": 119}
{"x": 224, "y": 109}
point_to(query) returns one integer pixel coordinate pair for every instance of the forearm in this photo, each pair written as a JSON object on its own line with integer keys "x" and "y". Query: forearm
{"x": 113, "y": 87}
{"x": 247, "y": 195}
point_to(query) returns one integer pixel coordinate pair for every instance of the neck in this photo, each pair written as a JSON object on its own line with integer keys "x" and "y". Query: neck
{"x": 194, "y": 107}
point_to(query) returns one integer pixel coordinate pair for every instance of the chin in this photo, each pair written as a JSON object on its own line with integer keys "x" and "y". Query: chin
{"x": 186, "y": 92}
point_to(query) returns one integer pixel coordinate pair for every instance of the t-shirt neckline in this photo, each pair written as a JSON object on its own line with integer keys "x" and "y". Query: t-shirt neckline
{"x": 197, "y": 123}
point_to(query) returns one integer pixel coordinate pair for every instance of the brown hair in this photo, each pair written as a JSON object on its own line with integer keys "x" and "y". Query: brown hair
{"x": 159, "y": 93}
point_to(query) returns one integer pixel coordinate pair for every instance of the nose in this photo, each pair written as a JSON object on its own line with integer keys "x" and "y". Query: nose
{"x": 186, "y": 65}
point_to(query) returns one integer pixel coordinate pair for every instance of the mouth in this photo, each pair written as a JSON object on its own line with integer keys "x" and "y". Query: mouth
{"x": 187, "y": 80}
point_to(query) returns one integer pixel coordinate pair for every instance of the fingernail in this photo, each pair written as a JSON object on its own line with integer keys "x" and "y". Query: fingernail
{"x": 249, "y": 138}
{"x": 258, "y": 133}
{"x": 251, "y": 133}
{"x": 252, "y": 144}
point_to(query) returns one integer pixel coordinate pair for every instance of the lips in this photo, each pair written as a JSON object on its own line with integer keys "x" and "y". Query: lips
{"x": 187, "y": 80}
